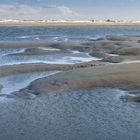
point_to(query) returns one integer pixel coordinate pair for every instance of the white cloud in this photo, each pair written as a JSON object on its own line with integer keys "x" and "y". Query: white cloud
{"x": 35, "y": 12}
{"x": 66, "y": 10}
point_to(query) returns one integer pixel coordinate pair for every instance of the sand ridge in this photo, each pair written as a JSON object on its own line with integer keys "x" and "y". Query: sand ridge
{"x": 102, "y": 73}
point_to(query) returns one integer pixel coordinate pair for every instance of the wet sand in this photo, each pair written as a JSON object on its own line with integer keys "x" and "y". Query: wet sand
{"x": 38, "y": 67}
{"x": 111, "y": 49}
{"x": 120, "y": 50}
{"x": 89, "y": 100}
{"x": 118, "y": 76}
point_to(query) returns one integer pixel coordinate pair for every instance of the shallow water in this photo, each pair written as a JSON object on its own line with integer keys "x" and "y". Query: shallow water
{"x": 16, "y": 82}
{"x": 56, "y": 34}
{"x": 7, "y": 51}
{"x": 84, "y": 114}
{"x": 61, "y": 58}
{"x": 71, "y": 115}
{"x": 31, "y": 33}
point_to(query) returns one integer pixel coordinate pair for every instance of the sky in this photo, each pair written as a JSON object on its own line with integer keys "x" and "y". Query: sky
{"x": 69, "y": 9}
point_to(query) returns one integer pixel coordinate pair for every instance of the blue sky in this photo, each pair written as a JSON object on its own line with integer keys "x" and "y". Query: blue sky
{"x": 69, "y": 9}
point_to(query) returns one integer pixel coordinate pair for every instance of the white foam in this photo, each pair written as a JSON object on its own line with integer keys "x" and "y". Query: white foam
{"x": 130, "y": 62}
{"x": 94, "y": 38}
{"x": 113, "y": 54}
{"x": 26, "y": 37}
{"x": 75, "y": 52}
{"x": 23, "y": 37}
{"x": 55, "y": 39}
{"x": 49, "y": 49}
{"x": 81, "y": 59}
{"x": 37, "y": 38}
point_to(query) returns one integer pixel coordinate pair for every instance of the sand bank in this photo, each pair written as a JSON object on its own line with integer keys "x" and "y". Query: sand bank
{"x": 39, "y": 51}
{"x": 38, "y": 67}
{"x": 113, "y": 49}
{"x": 122, "y": 75}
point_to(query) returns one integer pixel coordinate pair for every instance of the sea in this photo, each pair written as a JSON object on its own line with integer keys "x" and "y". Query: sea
{"x": 80, "y": 114}
{"x": 28, "y": 33}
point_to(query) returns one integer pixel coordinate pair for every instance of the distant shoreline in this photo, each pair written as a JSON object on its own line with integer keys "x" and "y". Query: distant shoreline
{"x": 37, "y": 23}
